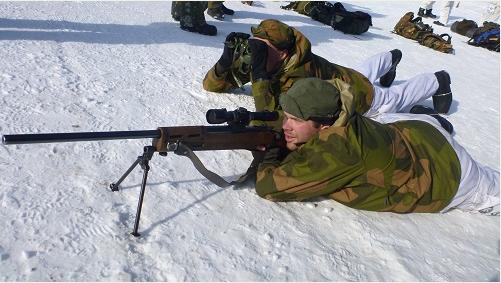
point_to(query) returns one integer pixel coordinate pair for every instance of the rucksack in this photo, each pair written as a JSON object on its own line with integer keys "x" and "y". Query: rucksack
{"x": 437, "y": 42}
{"x": 411, "y": 28}
{"x": 356, "y": 22}
{"x": 334, "y": 15}
{"x": 488, "y": 39}
{"x": 464, "y": 27}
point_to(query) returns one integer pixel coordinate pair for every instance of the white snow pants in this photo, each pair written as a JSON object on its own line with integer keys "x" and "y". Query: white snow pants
{"x": 396, "y": 98}
{"x": 479, "y": 184}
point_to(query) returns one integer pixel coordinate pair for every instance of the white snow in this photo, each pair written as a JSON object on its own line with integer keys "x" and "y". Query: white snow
{"x": 110, "y": 66}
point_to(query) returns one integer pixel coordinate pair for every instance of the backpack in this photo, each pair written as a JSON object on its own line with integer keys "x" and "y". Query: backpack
{"x": 488, "y": 39}
{"x": 437, "y": 42}
{"x": 356, "y": 22}
{"x": 464, "y": 27}
{"x": 411, "y": 28}
{"x": 334, "y": 15}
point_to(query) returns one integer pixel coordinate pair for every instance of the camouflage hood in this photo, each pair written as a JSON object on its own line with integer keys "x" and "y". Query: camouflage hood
{"x": 276, "y": 32}
{"x": 285, "y": 37}
{"x": 301, "y": 54}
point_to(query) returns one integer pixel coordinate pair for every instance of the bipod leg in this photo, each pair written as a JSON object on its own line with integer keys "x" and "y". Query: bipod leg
{"x": 144, "y": 162}
{"x": 114, "y": 186}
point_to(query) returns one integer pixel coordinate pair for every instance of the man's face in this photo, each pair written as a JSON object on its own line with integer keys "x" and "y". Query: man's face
{"x": 298, "y": 131}
{"x": 275, "y": 57}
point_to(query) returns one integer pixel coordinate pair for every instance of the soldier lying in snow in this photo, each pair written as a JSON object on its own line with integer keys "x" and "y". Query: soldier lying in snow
{"x": 408, "y": 165}
{"x": 278, "y": 55}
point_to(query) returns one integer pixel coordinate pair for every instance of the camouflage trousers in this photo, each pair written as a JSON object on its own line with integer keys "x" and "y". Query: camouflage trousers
{"x": 191, "y": 13}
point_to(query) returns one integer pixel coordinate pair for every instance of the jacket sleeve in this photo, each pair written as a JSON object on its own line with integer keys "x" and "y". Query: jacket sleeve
{"x": 263, "y": 96}
{"x": 219, "y": 83}
{"x": 318, "y": 168}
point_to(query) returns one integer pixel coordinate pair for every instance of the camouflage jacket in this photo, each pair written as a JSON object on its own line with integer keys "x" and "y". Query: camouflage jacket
{"x": 406, "y": 166}
{"x": 302, "y": 63}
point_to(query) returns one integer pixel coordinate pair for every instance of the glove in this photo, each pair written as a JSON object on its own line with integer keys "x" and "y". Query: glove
{"x": 275, "y": 155}
{"x": 259, "y": 55}
{"x": 229, "y": 48}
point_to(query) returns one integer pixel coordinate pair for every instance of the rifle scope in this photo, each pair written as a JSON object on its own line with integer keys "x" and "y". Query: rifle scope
{"x": 240, "y": 116}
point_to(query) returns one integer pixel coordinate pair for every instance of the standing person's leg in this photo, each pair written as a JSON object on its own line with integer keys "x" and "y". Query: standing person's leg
{"x": 175, "y": 10}
{"x": 427, "y": 5}
{"x": 425, "y": 9}
{"x": 444, "y": 14}
{"x": 446, "y": 11}
{"x": 192, "y": 18}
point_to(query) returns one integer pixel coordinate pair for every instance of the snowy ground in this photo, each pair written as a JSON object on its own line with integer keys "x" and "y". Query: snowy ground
{"x": 102, "y": 66}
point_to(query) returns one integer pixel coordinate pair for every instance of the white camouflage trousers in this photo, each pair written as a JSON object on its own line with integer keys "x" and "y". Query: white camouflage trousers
{"x": 398, "y": 97}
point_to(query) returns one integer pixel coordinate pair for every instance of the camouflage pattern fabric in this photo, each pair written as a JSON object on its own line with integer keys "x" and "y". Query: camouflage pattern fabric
{"x": 214, "y": 4}
{"x": 411, "y": 28}
{"x": 415, "y": 29}
{"x": 276, "y": 32}
{"x": 189, "y": 13}
{"x": 402, "y": 167}
{"x": 301, "y": 63}
{"x": 437, "y": 42}
{"x": 302, "y": 7}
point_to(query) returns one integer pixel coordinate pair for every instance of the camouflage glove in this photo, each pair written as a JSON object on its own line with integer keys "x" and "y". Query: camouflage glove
{"x": 259, "y": 55}
{"x": 229, "y": 49}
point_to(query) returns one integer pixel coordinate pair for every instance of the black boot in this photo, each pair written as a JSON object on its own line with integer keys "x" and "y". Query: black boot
{"x": 421, "y": 13}
{"x": 442, "y": 99}
{"x": 438, "y": 23}
{"x": 217, "y": 13}
{"x": 429, "y": 14}
{"x": 204, "y": 29}
{"x": 226, "y": 10}
{"x": 421, "y": 109}
{"x": 387, "y": 79}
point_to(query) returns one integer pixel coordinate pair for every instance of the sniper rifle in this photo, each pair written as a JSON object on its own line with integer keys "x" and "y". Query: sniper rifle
{"x": 182, "y": 140}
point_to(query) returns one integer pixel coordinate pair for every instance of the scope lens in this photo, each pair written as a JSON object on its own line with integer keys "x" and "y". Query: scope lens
{"x": 216, "y": 116}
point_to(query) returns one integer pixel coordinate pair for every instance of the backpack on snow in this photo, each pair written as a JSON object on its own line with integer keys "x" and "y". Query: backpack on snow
{"x": 356, "y": 22}
{"x": 412, "y": 28}
{"x": 464, "y": 27}
{"x": 437, "y": 42}
{"x": 487, "y": 38}
{"x": 334, "y": 15}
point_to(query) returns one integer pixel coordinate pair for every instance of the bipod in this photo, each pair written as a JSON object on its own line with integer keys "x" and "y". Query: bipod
{"x": 142, "y": 160}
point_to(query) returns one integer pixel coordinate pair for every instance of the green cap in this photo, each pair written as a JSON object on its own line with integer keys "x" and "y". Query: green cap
{"x": 276, "y": 32}
{"x": 312, "y": 99}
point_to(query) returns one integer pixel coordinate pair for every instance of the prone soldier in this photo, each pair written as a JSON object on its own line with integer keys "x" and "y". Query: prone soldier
{"x": 409, "y": 164}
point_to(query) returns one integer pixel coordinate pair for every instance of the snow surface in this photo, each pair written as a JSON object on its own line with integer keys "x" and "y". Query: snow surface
{"x": 103, "y": 66}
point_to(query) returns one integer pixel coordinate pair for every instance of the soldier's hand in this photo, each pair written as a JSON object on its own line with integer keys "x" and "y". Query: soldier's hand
{"x": 229, "y": 48}
{"x": 234, "y": 35}
{"x": 259, "y": 55}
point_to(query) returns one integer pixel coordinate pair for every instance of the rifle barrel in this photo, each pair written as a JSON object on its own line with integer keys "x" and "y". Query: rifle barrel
{"x": 79, "y": 136}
